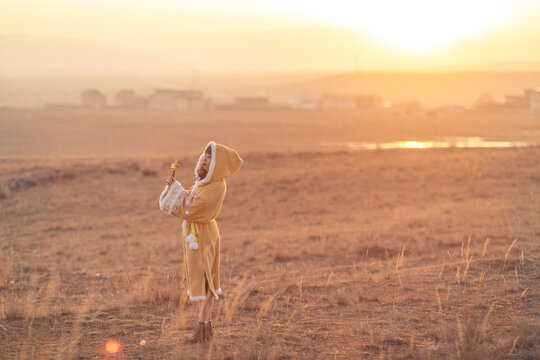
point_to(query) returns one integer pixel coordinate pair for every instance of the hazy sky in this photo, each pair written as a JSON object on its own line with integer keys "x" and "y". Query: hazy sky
{"x": 272, "y": 34}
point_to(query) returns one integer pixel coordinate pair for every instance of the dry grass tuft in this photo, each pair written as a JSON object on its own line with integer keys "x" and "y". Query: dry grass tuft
{"x": 260, "y": 352}
{"x": 508, "y": 252}
{"x": 4, "y": 192}
{"x": 527, "y": 342}
{"x": 282, "y": 258}
{"x": 6, "y": 266}
{"x": 463, "y": 341}
{"x": 238, "y": 297}
{"x": 13, "y": 309}
{"x": 470, "y": 342}
{"x": 263, "y": 310}
{"x": 342, "y": 299}
{"x": 148, "y": 172}
{"x": 148, "y": 291}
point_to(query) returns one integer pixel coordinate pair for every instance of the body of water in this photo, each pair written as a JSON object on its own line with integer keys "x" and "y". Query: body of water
{"x": 442, "y": 143}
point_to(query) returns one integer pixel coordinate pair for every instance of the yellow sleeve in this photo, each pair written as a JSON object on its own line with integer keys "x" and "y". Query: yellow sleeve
{"x": 206, "y": 203}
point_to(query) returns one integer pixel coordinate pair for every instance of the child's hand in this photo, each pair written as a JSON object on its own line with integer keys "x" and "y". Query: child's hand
{"x": 170, "y": 180}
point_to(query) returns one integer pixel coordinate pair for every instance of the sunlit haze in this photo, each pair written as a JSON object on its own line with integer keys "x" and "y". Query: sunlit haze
{"x": 291, "y": 35}
{"x": 415, "y": 25}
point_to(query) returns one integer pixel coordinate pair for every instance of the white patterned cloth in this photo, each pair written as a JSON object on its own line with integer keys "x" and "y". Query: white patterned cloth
{"x": 171, "y": 198}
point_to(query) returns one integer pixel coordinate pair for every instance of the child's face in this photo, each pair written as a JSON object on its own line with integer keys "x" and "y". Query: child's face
{"x": 206, "y": 162}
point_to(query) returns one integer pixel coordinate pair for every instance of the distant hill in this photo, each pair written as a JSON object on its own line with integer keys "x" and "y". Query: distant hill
{"x": 510, "y": 66}
{"x": 35, "y": 55}
{"x": 429, "y": 88}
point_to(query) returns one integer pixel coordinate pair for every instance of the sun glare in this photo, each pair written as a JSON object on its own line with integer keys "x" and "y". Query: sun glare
{"x": 416, "y": 25}
{"x": 414, "y": 145}
{"x": 112, "y": 346}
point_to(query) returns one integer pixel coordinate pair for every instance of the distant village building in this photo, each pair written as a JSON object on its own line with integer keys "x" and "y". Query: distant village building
{"x": 484, "y": 101}
{"x": 451, "y": 109}
{"x": 336, "y": 102}
{"x": 93, "y": 98}
{"x": 407, "y": 107}
{"x": 519, "y": 101}
{"x": 528, "y": 93}
{"x": 530, "y": 100}
{"x": 178, "y": 99}
{"x": 140, "y": 102}
{"x": 305, "y": 102}
{"x": 125, "y": 98}
{"x": 534, "y": 101}
{"x": 256, "y": 102}
{"x": 61, "y": 106}
{"x": 369, "y": 102}
{"x": 516, "y": 101}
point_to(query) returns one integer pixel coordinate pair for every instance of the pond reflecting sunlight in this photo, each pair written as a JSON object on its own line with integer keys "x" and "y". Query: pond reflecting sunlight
{"x": 441, "y": 143}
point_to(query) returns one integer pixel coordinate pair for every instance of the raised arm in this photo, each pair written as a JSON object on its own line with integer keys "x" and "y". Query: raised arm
{"x": 173, "y": 197}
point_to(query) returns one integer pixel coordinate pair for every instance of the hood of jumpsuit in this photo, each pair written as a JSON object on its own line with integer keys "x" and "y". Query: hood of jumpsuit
{"x": 225, "y": 163}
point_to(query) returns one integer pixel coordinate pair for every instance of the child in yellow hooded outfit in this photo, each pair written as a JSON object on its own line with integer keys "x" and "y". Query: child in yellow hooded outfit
{"x": 199, "y": 207}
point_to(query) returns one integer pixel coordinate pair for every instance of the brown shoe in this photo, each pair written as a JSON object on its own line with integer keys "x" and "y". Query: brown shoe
{"x": 197, "y": 337}
{"x": 203, "y": 333}
{"x": 209, "y": 330}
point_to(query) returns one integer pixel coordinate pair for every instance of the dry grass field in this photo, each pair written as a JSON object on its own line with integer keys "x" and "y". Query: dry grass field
{"x": 326, "y": 253}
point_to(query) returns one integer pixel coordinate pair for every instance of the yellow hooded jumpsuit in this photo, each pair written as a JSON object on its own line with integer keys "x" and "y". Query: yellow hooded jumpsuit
{"x": 199, "y": 208}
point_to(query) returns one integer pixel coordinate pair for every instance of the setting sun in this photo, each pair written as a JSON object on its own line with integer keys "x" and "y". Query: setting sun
{"x": 417, "y": 25}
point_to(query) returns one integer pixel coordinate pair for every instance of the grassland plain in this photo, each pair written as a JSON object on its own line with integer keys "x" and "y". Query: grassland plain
{"x": 325, "y": 254}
